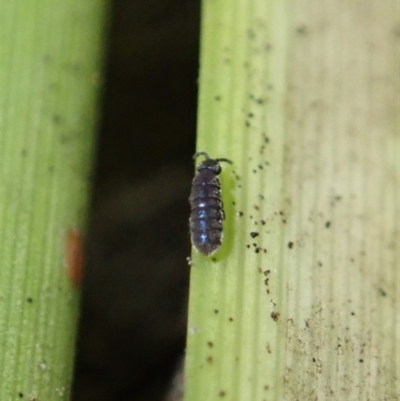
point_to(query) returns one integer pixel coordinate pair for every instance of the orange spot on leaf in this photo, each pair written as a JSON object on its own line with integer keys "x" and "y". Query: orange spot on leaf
{"x": 74, "y": 256}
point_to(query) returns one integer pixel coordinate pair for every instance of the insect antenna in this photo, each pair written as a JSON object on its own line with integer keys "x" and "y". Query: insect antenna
{"x": 224, "y": 160}
{"x": 197, "y": 154}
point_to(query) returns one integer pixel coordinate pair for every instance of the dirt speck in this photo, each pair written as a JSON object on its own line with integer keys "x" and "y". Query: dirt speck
{"x": 275, "y": 316}
{"x": 302, "y": 30}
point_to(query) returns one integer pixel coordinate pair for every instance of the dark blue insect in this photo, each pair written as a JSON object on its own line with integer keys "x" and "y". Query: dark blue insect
{"x": 206, "y": 205}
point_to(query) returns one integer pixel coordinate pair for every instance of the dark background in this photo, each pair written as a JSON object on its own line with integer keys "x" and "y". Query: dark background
{"x": 133, "y": 320}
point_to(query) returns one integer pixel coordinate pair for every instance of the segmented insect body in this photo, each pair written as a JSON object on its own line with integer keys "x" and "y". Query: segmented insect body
{"x": 206, "y": 206}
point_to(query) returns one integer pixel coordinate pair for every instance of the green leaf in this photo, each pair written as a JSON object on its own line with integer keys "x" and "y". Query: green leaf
{"x": 50, "y": 54}
{"x": 304, "y": 99}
